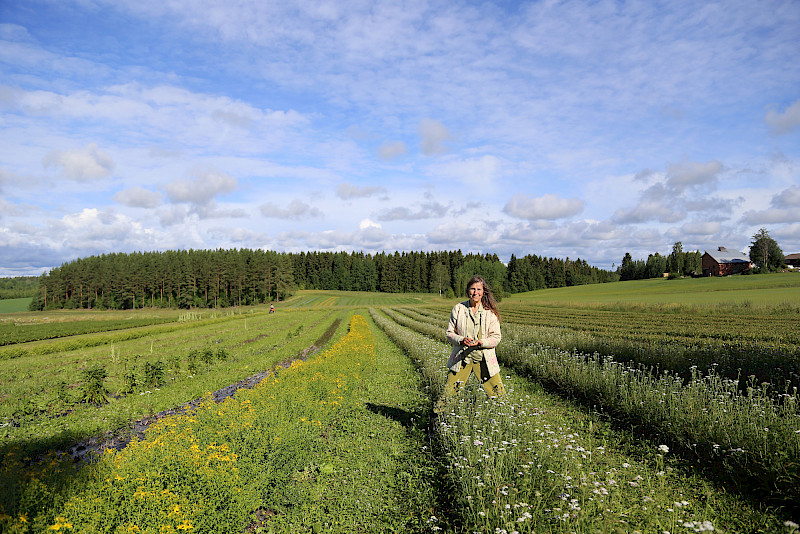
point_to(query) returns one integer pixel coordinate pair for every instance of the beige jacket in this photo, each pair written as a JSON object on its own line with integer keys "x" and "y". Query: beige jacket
{"x": 489, "y": 338}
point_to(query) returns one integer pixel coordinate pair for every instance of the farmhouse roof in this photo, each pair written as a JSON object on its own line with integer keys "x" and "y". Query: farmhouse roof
{"x": 793, "y": 256}
{"x": 723, "y": 255}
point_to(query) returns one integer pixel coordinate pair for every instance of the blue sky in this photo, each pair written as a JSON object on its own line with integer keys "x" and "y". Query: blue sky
{"x": 566, "y": 129}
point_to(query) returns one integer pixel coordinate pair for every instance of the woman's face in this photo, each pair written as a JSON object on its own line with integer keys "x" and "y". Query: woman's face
{"x": 475, "y": 293}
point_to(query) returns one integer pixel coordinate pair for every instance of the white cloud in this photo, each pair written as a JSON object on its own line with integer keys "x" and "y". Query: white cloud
{"x": 692, "y": 173}
{"x": 771, "y": 216}
{"x": 427, "y": 210}
{"x": 548, "y": 207}
{"x": 786, "y": 122}
{"x": 433, "y": 134}
{"x": 366, "y": 223}
{"x": 785, "y": 209}
{"x": 391, "y": 150}
{"x": 702, "y": 228}
{"x": 648, "y": 211}
{"x": 202, "y": 186}
{"x": 347, "y": 191}
{"x": 138, "y": 197}
{"x": 82, "y": 165}
{"x": 788, "y": 198}
{"x": 296, "y": 209}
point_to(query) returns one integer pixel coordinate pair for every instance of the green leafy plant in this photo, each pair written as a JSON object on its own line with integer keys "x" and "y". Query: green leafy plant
{"x": 153, "y": 375}
{"x": 94, "y": 390}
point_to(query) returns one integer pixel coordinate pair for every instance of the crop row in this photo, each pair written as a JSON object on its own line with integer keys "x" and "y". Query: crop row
{"x": 13, "y": 333}
{"x": 773, "y": 327}
{"x": 530, "y": 462}
{"x": 751, "y": 438}
{"x": 55, "y": 399}
{"x": 78, "y": 341}
{"x": 319, "y": 446}
{"x": 732, "y": 359}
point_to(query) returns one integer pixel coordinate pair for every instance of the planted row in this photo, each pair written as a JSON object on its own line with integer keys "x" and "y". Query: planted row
{"x": 318, "y": 446}
{"x": 746, "y": 435}
{"x": 53, "y": 400}
{"x": 530, "y": 462}
{"x": 775, "y": 363}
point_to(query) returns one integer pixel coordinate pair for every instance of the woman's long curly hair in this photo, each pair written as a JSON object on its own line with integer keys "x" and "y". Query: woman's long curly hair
{"x": 488, "y": 300}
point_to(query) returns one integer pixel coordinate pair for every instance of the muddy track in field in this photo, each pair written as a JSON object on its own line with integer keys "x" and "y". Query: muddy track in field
{"x": 87, "y": 449}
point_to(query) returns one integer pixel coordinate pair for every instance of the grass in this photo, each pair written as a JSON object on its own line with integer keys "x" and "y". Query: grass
{"x": 533, "y": 462}
{"x": 14, "y": 305}
{"x": 351, "y": 299}
{"x": 41, "y": 403}
{"x": 342, "y": 443}
{"x": 335, "y": 444}
{"x": 765, "y": 291}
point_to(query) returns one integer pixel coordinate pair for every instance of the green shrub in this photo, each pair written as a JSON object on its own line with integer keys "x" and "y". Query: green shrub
{"x": 94, "y": 390}
{"x": 153, "y": 374}
{"x": 129, "y": 380}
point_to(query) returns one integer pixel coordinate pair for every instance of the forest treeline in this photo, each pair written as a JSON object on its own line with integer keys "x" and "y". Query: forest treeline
{"x": 221, "y": 278}
{"x": 18, "y": 287}
{"x": 676, "y": 263}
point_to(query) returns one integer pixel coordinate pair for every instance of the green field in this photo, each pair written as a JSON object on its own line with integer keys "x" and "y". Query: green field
{"x": 767, "y": 290}
{"x": 624, "y": 413}
{"x": 14, "y": 305}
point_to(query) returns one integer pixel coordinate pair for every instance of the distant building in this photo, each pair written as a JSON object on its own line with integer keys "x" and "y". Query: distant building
{"x": 793, "y": 260}
{"x": 723, "y": 262}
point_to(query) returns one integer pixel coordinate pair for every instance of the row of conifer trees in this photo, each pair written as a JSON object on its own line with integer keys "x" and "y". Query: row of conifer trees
{"x": 221, "y": 278}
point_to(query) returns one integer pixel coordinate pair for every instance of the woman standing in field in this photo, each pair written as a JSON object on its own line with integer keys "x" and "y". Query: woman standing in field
{"x": 474, "y": 332}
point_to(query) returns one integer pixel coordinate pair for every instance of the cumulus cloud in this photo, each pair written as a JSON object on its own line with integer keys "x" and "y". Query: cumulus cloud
{"x": 347, "y": 191}
{"x": 706, "y": 228}
{"x": 692, "y": 173}
{"x": 83, "y": 164}
{"x": 786, "y": 122}
{"x": 788, "y": 198}
{"x": 367, "y": 223}
{"x": 202, "y": 186}
{"x": 297, "y": 209}
{"x": 138, "y": 197}
{"x": 428, "y": 210}
{"x": 647, "y": 211}
{"x": 785, "y": 209}
{"x": 388, "y": 151}
{"x": 548, "y": 207}
{"x": 433, "y": 135}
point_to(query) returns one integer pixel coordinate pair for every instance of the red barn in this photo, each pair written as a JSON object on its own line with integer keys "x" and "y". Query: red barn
{"x": 722, "y": 262}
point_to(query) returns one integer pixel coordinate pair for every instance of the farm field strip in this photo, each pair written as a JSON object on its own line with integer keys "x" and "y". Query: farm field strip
{"x": 531, "y": 462}
{"x": 750, "y": 438}
{"x": 775, "y": 326}
{"x": 732, "y": 358}
{"x": 764, "y": 291}
{"x": 80, "y": 341}
{"x": 22, "y": 333}
{"x": 41, "y": 401}
{"x": 335, "y": 444}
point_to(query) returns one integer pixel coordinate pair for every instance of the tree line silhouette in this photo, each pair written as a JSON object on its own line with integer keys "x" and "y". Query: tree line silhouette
{"x": 236, "y": 277}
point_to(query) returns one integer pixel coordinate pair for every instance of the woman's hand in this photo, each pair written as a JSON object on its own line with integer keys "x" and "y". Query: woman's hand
{"x": 469, "y": 342}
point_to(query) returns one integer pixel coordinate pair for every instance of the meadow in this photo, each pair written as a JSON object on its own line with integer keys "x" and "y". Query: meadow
{"x": 338, "y": 434}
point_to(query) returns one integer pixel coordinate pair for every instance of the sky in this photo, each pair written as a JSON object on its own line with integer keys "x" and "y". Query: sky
{"x": 579, "y": 129}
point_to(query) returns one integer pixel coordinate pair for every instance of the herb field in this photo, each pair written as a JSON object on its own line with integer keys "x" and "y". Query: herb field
{"x": 330, "y": 429}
